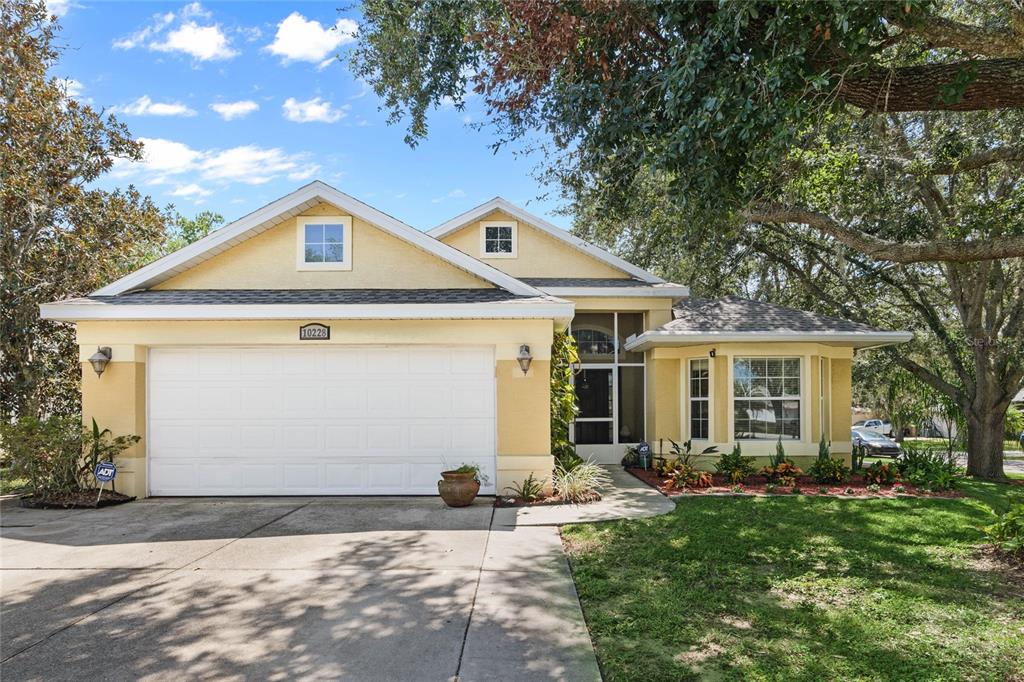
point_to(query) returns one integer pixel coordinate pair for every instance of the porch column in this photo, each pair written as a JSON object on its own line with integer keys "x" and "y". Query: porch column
{"x": 117, "y": 401}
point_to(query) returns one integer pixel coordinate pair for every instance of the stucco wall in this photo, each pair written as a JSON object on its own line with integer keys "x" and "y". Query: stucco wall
{"x": 668, "y": 418}
{"x": 118, "y": 399}
{"x": 539, "y": 255}
{"x": 379, "y": 261}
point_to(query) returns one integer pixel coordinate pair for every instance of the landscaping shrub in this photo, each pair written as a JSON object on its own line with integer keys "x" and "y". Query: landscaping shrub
{"x": 1007, "y": 533}
{"x": 528, "y": 490}
{"x": 782, "y": 470}
{"x": 688, "y": 476}
{"x": 734, "y": 466}
{"x": 882, "y": 473}
{"x": 826, "y": 469}
{"x": 577, "y": 483}
{"x": 929, "y": 469}
{"x": 56, "y": 455}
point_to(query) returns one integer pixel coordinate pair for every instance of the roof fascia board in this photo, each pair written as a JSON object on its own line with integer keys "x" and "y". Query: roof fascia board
{"x": 74, "y": 312}
{"x": 315, "y": 190}
{"x": 606, "y": 292}
{"x": 460, "y": 221}
{"x": 656, "y": 338}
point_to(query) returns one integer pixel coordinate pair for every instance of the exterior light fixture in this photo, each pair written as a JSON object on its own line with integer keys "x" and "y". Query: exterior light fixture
{"x": 100, "y": 358}
{"x": 524, "y": 358}
{"x": 712, "y": 353}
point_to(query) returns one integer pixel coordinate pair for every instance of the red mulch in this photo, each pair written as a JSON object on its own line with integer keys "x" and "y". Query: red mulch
{"x": 505, "y": 501}
{"x": 755, "y": 485}
{"x": 82, "y": 499}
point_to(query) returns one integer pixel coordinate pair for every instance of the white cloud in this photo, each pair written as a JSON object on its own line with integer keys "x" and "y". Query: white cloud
{"x": 59, "y": 7}
{"x": 202, "y": 42}
{"x": 166, "y": 156}
{"x": 73, "y": 88}
{"x": 249, "y": 164}
{"x": 313, "y": 110}
{"x": 180, "y": 32}
{"x": 169, "y": 161}
{"x": 305, "y": 40}
{"x": 454, "y": 194}
{"x": 144, "y": 106}
{"x": 232, "y": 110}
{"x": 190, "y": 190}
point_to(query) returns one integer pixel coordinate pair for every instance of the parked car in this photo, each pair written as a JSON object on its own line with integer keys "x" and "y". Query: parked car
{"x": 875, "y": 444}
{"x": 877, "y": 425}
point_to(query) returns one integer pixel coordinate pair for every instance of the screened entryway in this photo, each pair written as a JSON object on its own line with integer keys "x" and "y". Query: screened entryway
{"x": 609, "y": 386}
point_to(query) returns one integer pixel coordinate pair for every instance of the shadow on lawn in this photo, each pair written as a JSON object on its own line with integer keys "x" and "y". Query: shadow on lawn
{"x": 797, "y": 589}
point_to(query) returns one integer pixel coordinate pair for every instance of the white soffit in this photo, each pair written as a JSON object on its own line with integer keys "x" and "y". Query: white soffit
{"x": 499, "y": 204}
{"x": 288, "y": 207}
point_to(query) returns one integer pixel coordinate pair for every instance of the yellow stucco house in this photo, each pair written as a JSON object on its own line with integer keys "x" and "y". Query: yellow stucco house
{"x": 318, "y": 346}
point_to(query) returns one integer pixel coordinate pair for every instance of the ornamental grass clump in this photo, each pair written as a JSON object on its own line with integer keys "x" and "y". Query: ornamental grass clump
{"x": 578, "y": 483}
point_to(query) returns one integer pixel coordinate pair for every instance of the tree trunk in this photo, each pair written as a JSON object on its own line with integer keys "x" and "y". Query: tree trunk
{"x": 984, "y": 417}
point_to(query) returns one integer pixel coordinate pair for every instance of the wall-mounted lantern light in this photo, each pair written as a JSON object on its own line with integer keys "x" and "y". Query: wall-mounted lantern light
{"x": 712, "y": 353}
{"x": 524, "y": 358}
{"x": 100, "y": 358}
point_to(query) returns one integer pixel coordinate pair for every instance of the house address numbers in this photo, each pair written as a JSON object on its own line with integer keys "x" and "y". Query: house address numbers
{"x": 314, "y": 332}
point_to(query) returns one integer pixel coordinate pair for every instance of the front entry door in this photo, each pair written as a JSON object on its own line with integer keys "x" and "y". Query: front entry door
{"x": 610, "y": 386}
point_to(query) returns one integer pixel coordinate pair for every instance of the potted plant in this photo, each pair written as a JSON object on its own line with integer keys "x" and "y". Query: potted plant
{"x": 458, "y": 487}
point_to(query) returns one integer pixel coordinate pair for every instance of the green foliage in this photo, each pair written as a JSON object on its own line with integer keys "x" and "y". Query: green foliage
{"x": 873, "y": 488}
{"x": 858, "y": 452}
{"x": 563, "y": 398}
{"x": 631, "y": 458}
{"x": 528, "y": 490}
{"x": 882, "y": 473}
{"x": 183, "y": 230}
{"x": 474, "y": 469}
{"x": 829, "y": 470}
{"x": 60, "y": 234}
{"x": 56, "y": 454}
{"x": 1014, "y": 424}
{"x": 823, "y": 448}
{"x": 928, "y": 469}
{"x": 779, "y": 456}
{"x": 735, "y": 466}
{"x": 578, "y": 483}
{"x": 781, "y": 470}
{"x": 1007, "y": 532}
{"x": 687, "y": 476}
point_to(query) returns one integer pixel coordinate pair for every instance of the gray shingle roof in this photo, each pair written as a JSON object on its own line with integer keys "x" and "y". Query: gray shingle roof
{"x": 735, "y": 314}
{"x": 303, "y": 296}
{"x": 596, "y": 282}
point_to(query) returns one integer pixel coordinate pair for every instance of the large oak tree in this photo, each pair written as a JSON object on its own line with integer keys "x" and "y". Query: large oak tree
{"x": 743, "y": 111}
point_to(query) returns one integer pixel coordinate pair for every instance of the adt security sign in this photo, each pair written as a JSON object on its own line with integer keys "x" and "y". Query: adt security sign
{"x": 643, "y": 449}
{"x": 105, "y": 472}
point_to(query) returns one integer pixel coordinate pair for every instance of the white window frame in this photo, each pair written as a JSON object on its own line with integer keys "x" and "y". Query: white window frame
{"x": 300, "y": 242}
{"x": 484, "y": 224}
{"x": 804, "y": 378}
{"x": 824, "y": 390}
{"x": 688, "y": 412}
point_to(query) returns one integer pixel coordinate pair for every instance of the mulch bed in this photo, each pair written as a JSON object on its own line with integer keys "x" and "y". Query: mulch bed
{"x": 82, "y": 499}
{"x": 503, "y": 501}
{"x": 756, "y": 485}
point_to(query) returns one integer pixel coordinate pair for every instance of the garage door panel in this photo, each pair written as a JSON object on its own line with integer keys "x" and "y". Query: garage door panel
{"x": 317, "y": 420}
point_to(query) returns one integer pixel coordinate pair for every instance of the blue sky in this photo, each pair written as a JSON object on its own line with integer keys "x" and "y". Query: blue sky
{"x": 239, "y": 103}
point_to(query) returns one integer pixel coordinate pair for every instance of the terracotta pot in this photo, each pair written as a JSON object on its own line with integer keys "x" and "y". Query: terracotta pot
{"x": 458, "y": 489}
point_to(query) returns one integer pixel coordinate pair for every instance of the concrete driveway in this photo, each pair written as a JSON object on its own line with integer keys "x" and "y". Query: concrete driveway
{"x": 276, "y": 588}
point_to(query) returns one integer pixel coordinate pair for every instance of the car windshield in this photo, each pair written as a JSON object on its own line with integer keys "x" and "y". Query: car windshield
{"x": 871, "y": 435}
{"x": 860, "y": 423}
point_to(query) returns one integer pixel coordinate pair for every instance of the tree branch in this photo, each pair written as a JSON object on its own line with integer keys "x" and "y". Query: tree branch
{"x": 950, "y": 250}
{"x": 942, "y": 32}
{"x": 988, "y": 84}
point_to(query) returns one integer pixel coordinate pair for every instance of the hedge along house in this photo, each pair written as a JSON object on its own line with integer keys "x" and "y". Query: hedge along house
{"x": 320, "y": 346}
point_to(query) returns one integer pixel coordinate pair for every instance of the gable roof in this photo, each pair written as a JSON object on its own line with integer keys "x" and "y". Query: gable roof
{"x": 287, "y": 207}
{"x": 731, "y": 318}
{"x": 499, "y": 204}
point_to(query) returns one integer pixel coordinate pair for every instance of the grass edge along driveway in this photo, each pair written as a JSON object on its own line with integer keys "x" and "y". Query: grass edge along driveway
{"x": 801, "y": 588}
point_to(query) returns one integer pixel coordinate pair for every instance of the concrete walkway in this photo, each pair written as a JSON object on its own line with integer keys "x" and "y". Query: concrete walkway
{"x": 623, "y": 496}
{"x": 275, "y": 588}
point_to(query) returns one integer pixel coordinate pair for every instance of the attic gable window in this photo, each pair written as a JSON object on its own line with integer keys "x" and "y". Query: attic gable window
{"x": 324, "y": 243}
{"x": 498, "y": 239}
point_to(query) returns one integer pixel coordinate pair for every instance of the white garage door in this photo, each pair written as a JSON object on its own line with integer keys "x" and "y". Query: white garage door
{"x": 330, "y": 420}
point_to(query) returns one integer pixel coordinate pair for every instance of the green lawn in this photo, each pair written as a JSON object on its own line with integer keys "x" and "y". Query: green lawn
{"x": 800, "y": 588}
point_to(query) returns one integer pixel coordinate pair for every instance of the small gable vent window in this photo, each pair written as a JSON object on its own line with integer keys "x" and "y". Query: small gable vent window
{"x": 324, "y": 243}
{"x": 498, "y": 238}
